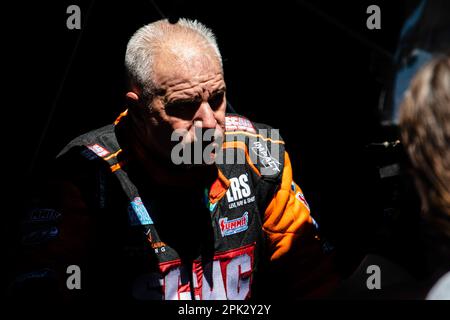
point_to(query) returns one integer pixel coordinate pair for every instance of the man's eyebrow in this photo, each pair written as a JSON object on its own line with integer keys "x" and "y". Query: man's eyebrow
{"x": 184, "y": 100}
{"x": 219, "y": 91}
{"x": 195, "y": 98}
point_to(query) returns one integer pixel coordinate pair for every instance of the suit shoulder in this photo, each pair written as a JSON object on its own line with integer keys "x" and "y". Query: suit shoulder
{"x": 236, "y": 124}
{"x": 101, "y": 142}
{"x": 260, "y": 144}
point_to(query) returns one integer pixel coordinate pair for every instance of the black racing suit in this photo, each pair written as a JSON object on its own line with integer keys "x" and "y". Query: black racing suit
{"x": 247, "y": 234}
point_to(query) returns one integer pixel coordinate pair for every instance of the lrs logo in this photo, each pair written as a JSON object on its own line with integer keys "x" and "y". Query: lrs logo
{"x": 239, "y": 188}
{"x": 228, "y": 276}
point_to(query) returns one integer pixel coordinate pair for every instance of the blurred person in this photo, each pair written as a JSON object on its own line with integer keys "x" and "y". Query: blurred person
{"x": 425, "y": 130}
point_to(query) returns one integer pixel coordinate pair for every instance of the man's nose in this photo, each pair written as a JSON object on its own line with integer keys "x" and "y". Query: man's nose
{"x": 204, "y": 118}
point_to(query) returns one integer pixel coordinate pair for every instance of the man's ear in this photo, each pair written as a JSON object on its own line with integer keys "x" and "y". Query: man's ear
{"x": 132, "y": 98}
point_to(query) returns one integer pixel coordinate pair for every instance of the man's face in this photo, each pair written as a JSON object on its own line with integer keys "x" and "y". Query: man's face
{"x": 190, "y": 98}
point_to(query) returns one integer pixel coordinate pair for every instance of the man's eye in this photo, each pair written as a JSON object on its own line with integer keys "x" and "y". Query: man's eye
{"x": 216, "y": 101}
{"x": 186, "y": 105}
{"x": 182, "y": 109}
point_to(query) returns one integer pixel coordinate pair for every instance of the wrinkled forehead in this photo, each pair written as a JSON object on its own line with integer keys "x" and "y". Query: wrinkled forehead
{"x": 186, "y": 64}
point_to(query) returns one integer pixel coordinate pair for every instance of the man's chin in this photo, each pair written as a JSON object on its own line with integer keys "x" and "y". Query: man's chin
{"x": 190, "y": 161}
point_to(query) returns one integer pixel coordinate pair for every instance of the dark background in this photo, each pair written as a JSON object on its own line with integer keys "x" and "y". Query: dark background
{"x": 310, "y": 68}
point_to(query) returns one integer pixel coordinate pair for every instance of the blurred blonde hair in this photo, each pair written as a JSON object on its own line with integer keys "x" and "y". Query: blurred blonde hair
{"x": 425, "y": 131}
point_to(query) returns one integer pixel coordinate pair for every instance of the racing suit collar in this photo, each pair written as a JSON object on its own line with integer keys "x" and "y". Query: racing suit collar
{"x": 219, "y": 187}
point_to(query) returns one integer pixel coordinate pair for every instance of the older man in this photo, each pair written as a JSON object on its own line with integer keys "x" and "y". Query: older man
{"x": 177, "y": 199}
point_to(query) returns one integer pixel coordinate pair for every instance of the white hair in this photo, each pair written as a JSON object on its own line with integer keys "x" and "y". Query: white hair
{"x": 149, "y": 39}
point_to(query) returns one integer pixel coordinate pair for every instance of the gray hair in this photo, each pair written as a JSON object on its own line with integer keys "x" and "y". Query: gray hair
{"x": 149, "y": 39}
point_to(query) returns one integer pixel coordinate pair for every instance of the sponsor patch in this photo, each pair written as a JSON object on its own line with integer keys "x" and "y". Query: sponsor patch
{"x": 40, "y": 236}
{"x": 157, "y": 246}
{"x": 229, "y": 227}
{"x": 235, "y": 123}
{"x": 239, "y": 192}
{"x": 266, "y": 159}
{"x": 138, "y": 214}
{"x": 38, "y": 274}
{"x": 89, "y": 154}
{"x": 98, "y": 150}
{"x": 43, "y": 215}
{"x": 228, "y": 275}
{"x": 299, "y": 196}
